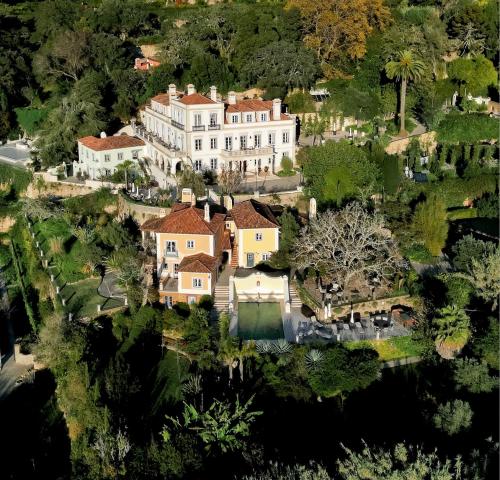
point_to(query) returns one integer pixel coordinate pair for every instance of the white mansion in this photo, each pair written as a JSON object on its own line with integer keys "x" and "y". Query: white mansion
{"x": 209, "y": 133}
{"x": 98, "y": 157}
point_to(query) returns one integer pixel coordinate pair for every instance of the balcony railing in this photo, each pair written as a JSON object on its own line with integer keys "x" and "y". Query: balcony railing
{"x": 171, "y": 254}
{"x": 168, "y": 148}
{"x": 214, "y": 126}
{"x": 198, "y": 128}
{"x": 248, "y": 152}
{"x": 177, "y": 124}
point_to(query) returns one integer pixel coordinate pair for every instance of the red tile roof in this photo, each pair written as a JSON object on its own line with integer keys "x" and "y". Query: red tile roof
{"x": 163, "y": 98}
{"x": 253, "y": 214}
{"x": 201, "y": 262}
{"x": 195, "y": 99}
{"x": 110, "y": 143}
{"x": 184, "y": 218}
{"x": 250, "y": 106}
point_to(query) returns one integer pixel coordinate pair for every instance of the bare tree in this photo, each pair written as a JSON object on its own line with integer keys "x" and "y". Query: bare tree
{"x": 229, "y": 180}
{"x": 346, "y": 245}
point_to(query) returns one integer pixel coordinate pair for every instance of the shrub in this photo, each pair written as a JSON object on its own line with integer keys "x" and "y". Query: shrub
{"x": 473, "y": 375}
{"x": 286, "y": 164}
{"x": 452, "y": 417}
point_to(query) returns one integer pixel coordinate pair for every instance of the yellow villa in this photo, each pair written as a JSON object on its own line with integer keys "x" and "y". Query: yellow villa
{"x": 193, "y": 244}
{"x": 255, "y": 233}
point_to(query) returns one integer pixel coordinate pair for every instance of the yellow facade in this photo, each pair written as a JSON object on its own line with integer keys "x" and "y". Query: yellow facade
{"x": 186, "y": 283}
{"x": 258, "y": 242}
{"x": 202, "y": 243}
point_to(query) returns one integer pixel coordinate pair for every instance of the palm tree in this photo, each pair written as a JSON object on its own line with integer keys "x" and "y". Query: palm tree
{"x": 406, "y": 68}
{"x": 452, "y": 329}
{"x": 125, "y": 167}
{"x": 228, "y": 345}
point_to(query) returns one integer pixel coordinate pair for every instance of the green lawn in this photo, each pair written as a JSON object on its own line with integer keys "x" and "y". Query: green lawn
{"x": 82, "y": 298}
{"x": 390, "y": 349}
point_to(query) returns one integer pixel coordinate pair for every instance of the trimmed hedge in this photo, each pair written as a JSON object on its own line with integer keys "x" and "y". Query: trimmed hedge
{"x": 462, "y": 213}
{"x": 467, "y": 128}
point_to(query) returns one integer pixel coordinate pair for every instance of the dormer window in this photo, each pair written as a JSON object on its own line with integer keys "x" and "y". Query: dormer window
{"x": 263, "y": 117}
{"x": 249, "y": 117}
{"x": 234, "y": 118}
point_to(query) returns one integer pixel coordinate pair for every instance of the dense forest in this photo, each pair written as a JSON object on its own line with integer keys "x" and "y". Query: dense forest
{"x": 118, "y": 401}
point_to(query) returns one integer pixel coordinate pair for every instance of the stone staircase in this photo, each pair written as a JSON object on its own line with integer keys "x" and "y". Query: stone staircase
{"x": 295, "y": 301}
{"x": 234, "y": 257}
{"x": 221, "y": 298}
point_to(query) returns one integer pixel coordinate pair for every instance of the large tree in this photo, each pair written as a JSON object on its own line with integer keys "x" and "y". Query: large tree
{"x": 484, "y": 274}
{"x": 473, "y": 75}
{"x": 337, "y": 171}
{"x": 337, "y": 30}
{"x": 405, "y": 68}
{"x": 346, "y": 245}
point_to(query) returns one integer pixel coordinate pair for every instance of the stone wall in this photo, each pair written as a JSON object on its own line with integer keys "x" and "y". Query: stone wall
{"x": 56, "y": 187}
{"x": 372, "y": 305}
{"x": 427, "y": 141}
{"x": 139, "y": 212}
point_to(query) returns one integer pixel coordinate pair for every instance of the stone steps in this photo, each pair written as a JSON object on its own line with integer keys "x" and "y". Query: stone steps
{"x": 295, "y": 301}
{"x": 234, "y": 257}
{"x": 221, "y": 298}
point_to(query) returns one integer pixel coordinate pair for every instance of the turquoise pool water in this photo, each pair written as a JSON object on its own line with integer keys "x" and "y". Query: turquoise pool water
{"x": 259, "y": 321}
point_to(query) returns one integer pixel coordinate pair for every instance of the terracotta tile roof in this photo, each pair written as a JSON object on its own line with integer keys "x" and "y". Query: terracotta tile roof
{"x": 184, "y": 218}
{"x": 201, "y": 262}
{"x": 195, "y": 99}
{"x": 250, "y": 106}
{"x": 163, "y": 98}
{"x": 110, "y": 143}
{"x": 253, "y": 214}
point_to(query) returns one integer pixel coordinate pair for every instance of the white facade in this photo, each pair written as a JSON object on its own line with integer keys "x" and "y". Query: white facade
{"x": 99, "y": 157}
{"x": 209, "y": 134}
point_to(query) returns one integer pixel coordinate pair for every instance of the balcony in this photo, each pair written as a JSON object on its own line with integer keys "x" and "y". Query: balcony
{"x": 173, "y": 254}
{"x": 247, "y": 152}
{"x": 214, "y": 126}
{"x": 177, "y": 124}
{"x": 172, "y": 151}
{"x": 198, "y": 128}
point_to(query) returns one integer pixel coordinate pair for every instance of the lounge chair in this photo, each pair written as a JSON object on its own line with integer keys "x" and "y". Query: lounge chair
{"x": 334, "y": 329}
{"x": 358, "y": 325}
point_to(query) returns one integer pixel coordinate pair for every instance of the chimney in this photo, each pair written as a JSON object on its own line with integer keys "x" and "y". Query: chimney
{"x": 172, "y": 90}
{"x": 276, "y": 109}
{"x": 103, "y": 135}
{"x": 231, "y": 98}
{"x": 213, "y": 93}
{"x": 206, "y": 209}
{"x": 191, "y": 89}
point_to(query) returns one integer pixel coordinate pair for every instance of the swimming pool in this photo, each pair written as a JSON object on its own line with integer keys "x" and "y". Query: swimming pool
{"x": 259, "y": 321}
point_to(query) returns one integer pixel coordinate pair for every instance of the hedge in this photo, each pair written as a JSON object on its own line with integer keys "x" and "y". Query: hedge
{"x": 467, "y": 128}
{"x": 462, "y": 213}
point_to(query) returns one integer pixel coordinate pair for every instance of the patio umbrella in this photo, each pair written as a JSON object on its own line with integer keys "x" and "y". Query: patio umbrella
{"x": 326, "y": 312}
{"x": 352, "y": 315}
